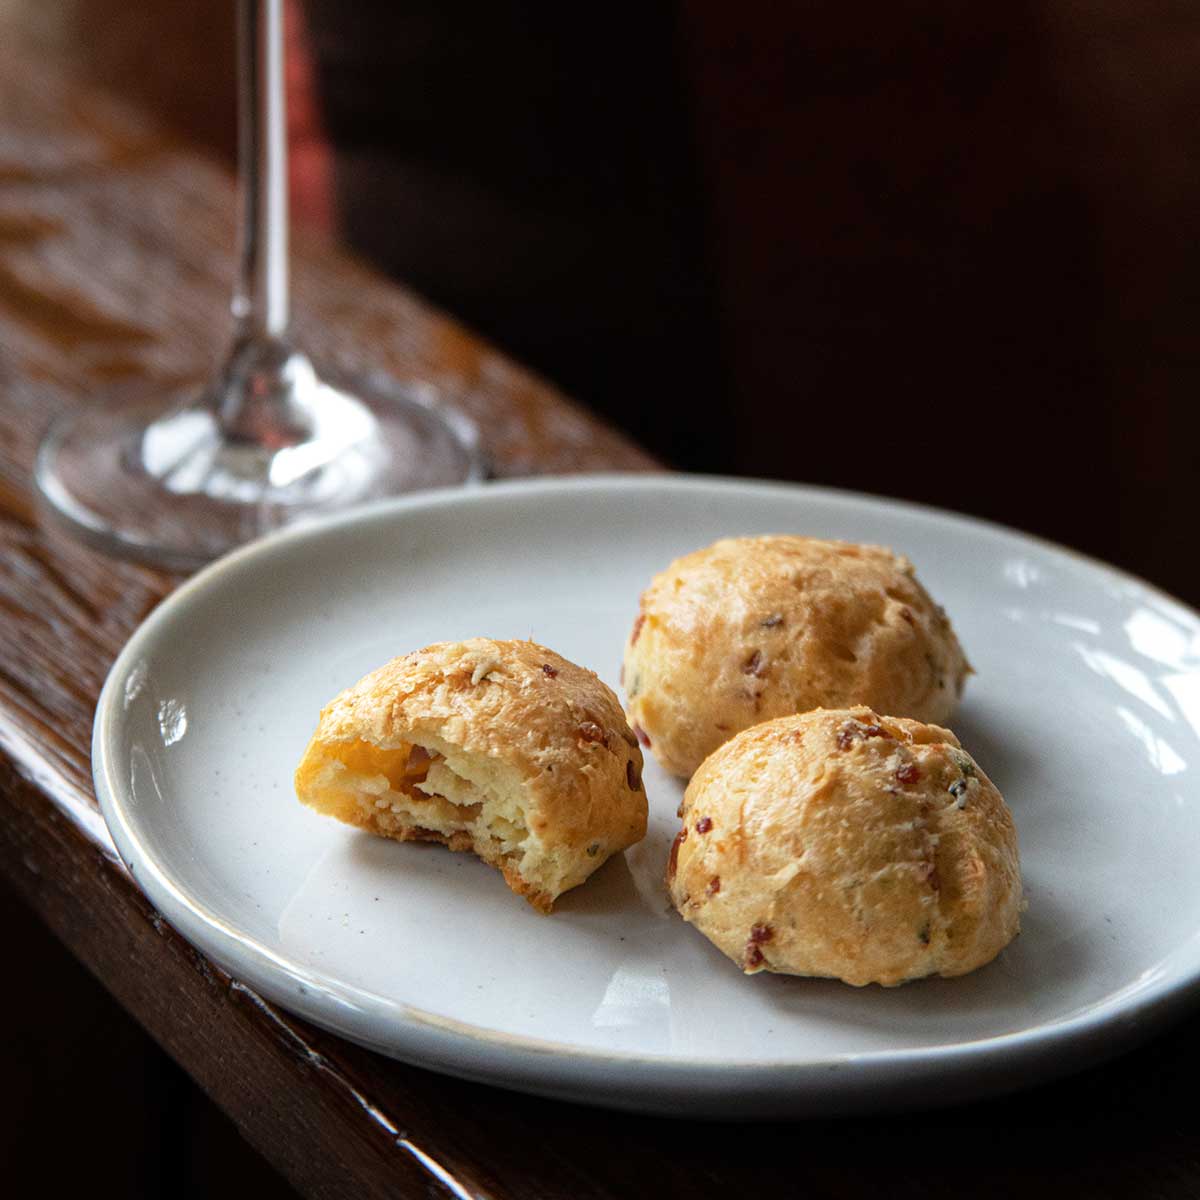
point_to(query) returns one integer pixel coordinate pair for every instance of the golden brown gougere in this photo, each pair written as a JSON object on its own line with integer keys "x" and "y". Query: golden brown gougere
{"x": 847, "y": 844}
{"x": 754, "y": 628}
{"x": 500, "y": 747}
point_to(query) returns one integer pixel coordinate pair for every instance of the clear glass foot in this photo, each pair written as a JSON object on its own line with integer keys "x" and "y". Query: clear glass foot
{"x": 176, "y": 481}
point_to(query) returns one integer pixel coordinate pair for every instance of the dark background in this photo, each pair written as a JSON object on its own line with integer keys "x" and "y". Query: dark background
{"x": 939, "y": 251}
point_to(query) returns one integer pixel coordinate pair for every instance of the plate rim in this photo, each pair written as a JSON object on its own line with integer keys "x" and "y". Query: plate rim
{"x": 563, "y": 1068}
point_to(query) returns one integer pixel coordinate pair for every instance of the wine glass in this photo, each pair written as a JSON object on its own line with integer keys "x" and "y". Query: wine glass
{"x": 176, "y": 479}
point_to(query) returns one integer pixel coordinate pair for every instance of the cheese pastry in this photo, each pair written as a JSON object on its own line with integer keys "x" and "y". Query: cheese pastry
{"x": 756, "y": 627}
{"x": 845, "y": 844}
{"x": 500, "y": 747}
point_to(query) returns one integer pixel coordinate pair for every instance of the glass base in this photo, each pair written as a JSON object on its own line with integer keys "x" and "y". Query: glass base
{"x": 161, "y": 480}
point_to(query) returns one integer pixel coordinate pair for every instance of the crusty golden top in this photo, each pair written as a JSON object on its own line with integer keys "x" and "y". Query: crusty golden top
{"x": 757, "y": 627}
{"x": 553, "y": 727}
{"x": 847, "y": 844}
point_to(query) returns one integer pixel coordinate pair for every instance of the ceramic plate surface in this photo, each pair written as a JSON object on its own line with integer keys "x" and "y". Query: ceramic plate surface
{"x": 1085, "y": 711}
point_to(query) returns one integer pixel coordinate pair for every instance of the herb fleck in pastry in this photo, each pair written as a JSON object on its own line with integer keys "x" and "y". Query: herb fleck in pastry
{"x": 757, "y": 627}
{"x": 500, "y": 747}
{"x": 849, "y": 845}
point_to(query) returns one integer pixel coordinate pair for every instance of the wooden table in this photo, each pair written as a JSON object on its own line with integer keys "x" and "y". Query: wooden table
{"x": 115, "y": 263}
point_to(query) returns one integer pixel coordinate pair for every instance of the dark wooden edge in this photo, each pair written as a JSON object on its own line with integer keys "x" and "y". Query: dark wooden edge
{"x": 244, "y": 1052}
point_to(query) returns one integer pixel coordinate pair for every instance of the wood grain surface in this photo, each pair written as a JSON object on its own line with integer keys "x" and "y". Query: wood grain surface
{"x": 115, "y": 261}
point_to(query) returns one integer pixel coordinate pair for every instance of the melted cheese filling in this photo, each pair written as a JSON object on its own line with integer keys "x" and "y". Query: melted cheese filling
{"x": 408, "y": 785}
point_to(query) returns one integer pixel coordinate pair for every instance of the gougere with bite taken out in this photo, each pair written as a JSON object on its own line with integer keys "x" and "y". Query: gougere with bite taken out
{"x": 500, "y": 747}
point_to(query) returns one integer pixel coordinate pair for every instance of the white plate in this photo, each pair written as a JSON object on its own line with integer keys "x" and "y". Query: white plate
{"x": 1085, "y": 711}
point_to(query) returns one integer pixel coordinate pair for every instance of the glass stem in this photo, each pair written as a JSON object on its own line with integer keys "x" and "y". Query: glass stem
{"x": 261, "y": 299}
{"x": 267, "y": 389}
